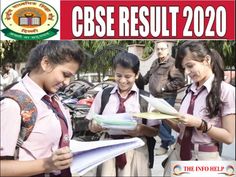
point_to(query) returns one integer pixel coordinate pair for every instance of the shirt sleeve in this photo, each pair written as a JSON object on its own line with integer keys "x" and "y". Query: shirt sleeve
{"x": 147, "y": 76}
{"x": 176, "y": 80}
{"x": 228, "y": 99}
{"x": 10, "y": 126}
{"x": 96, "y": 106}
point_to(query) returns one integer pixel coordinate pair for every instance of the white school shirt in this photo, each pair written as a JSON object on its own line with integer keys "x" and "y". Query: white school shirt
{"x": 228, "y": 98}
{"x": 45, "y": 136}
{"x": 131, "y": 106}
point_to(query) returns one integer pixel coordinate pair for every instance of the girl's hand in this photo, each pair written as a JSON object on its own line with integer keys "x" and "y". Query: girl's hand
{"x": 95, "y": 127}
{"x": 60, "y": 159}
{"x": 136, "y": 132}
{"x": 189, "y": 120}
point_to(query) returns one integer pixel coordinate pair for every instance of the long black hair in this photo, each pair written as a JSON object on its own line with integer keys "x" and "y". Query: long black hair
{"x": 199, "y": 50}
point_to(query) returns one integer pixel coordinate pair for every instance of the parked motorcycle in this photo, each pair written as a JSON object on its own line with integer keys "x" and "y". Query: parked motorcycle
{"x": 78, "y": 98}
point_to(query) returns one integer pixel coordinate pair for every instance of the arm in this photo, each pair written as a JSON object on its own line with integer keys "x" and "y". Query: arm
{"x": 146, "y": 78}
{"x": 176, "y": 80}
{"x": 172, "y": 124}
{"x": 144, "y": 130}
{"x": 149, "y": 73}
{"x": 95, "y": 108}
{"x": 60, "y": 159}
{"x": 95, "y": 127}
{"x": 224, "y": 134}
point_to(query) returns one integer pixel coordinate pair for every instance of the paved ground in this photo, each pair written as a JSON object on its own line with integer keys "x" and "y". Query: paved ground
{"x": 157, "y": 169}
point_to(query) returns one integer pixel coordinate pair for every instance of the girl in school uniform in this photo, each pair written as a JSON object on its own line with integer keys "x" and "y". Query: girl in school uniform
{"x": 50, "y": 66}
{"x": 126, "y": 68}
{"x": 207, "y": 112}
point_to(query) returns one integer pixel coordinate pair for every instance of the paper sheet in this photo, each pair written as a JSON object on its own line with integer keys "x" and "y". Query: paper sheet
{"x": 161, "y": 105}
{"x": 153, "y": 115}
{"x": 88, "y": 155}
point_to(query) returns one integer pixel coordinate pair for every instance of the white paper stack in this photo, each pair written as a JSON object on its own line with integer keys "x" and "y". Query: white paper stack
{"x": 121, "y": 121}
{"x": 88, "y": 155}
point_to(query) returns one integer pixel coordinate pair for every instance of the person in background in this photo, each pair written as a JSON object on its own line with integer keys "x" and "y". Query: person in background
{"x": 207, "y": 112}
{"x": 126, "y": 68}
{"x": 164, "y": 80}
{"x": 11, "y": 74}
{"x": 46, "y": 151}
{"x": 3, "y": 82}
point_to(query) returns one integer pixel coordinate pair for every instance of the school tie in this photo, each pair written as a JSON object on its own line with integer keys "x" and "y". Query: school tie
{"x": 186, "y": 144}
{"x": 121, "y": 108}
{"x": 64, "y": 140}
{"x": 121, "y": 159}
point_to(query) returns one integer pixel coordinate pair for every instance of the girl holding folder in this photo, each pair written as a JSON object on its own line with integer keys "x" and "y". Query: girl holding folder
{"x": 207, "y": 112}
{"x": 46, "y": 151}
{"x": 124, "y": 97}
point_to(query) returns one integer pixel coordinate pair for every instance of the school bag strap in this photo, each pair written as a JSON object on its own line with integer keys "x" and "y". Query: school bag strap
{"x": 106, "y": 93}
{"x": 28, "y": 112}
{"x": 186, "y": 92}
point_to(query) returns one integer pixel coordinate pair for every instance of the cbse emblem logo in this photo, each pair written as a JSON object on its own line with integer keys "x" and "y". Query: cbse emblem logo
{"x": 29, "y": 20}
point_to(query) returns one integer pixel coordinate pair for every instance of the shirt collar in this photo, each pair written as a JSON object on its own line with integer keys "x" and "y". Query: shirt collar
{"x": 207, "y": 84}
{"x": 34, "y": 89}
{"x": 116, "y": 89}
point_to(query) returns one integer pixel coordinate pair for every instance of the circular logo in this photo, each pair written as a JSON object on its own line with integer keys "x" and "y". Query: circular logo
{"x": 230, "y": 170}
{"x": 177, "y": 170}
{"x": 29, "y": 20}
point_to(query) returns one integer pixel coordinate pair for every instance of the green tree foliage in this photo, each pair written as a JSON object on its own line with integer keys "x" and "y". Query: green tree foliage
{"x": 99, "y": 53}
{"x": 16, "y": 51}
{"x": 226, "y": 50}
